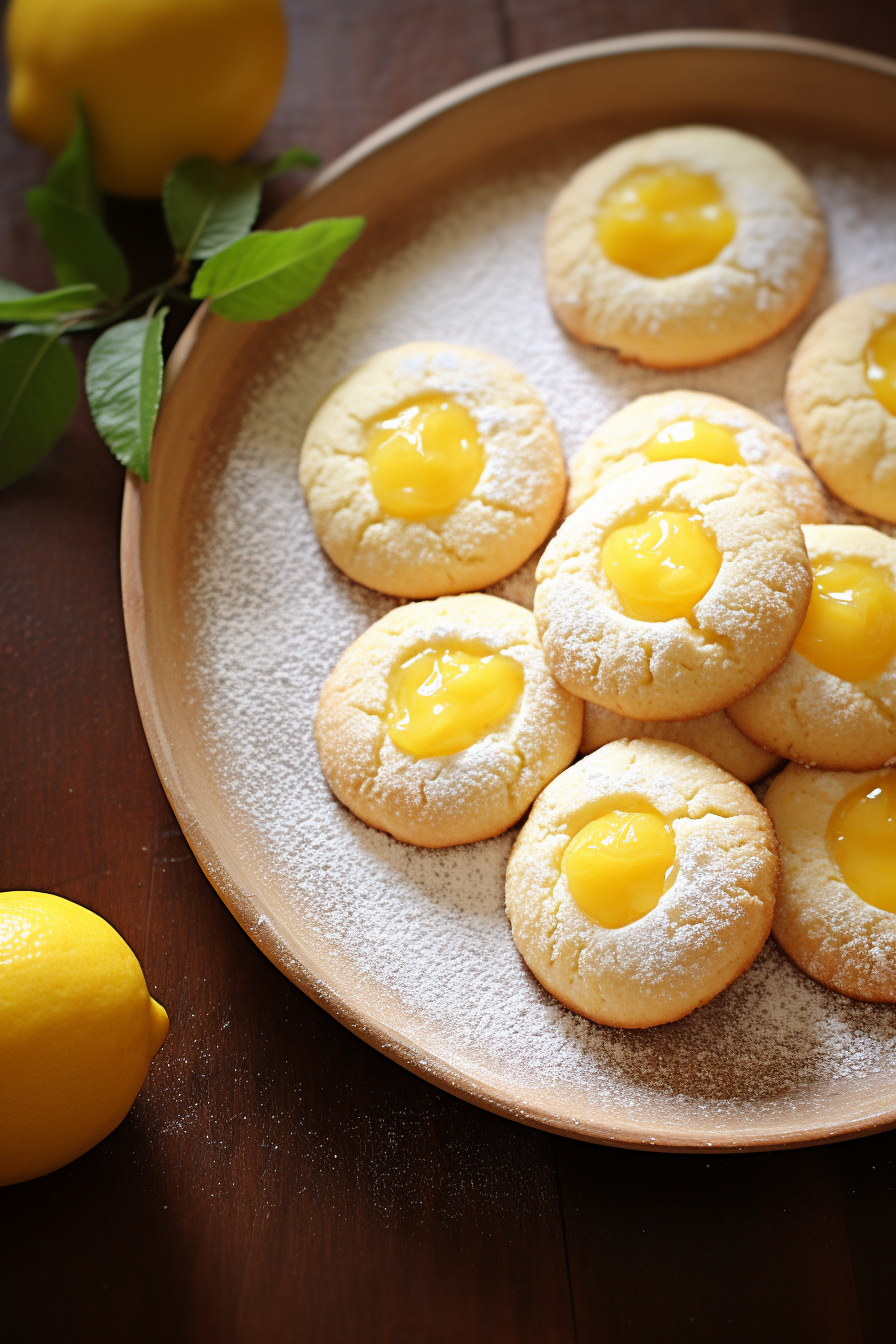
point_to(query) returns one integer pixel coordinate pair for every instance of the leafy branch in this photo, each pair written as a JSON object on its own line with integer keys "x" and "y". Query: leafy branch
{"x": 210, "y": 209}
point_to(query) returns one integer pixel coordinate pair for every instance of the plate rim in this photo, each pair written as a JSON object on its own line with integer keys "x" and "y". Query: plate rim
{"x": 263, "y": 931}
{"x": 661, "y": 39}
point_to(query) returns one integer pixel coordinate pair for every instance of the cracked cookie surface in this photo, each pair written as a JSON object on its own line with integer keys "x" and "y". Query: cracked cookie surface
{"x": 619, "y": 444}
{"x": 490, "y": 531}
{"x": 714, "y": 735}
{"x": 453, "y": 799}
{"x": 674, "y": 669}
{"x": 830, "y": 932}
{"x": 811, "y": 716}
{"x": 705, "y": 930}
{"x": 753, "y": 288}
{"x": 845, "y": 431}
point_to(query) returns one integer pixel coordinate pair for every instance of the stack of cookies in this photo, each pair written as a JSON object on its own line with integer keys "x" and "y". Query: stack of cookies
{"x": 696, "y": 617}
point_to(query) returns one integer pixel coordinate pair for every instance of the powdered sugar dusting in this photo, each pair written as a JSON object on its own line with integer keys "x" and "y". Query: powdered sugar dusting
{"x": 271, "y": 617}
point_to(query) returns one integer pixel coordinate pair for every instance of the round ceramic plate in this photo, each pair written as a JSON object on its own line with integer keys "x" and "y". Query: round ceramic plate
{"x": 234, "y": 616}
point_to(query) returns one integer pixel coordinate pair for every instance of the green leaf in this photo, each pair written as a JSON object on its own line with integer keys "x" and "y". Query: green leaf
{"x": 82, "y": 250}
{"x": 41, "y": 328}
{"x": 266, "y": 274}
{"x": 52, "y": 303}
{"x": 38, "y": 392}
{"x": 123, "y": 381}
{"x": 284, "y": 163}
{"x": 209, "y": 205}
{"x": 10, "y": 291}
{"x": 71, "y": 177}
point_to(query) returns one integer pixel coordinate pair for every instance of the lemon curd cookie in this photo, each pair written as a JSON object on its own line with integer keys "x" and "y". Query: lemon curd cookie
{"x": 432, "y": 469}
{"x": 836, "y": 911}
{"x": 832, "y": 703}
{"x": 442, "y": 722}
{"x": 841, "y": 399}
{"x": 642, "y": 883}
{"x": 713, "y": 734}
{"x": 674, "y": 590}
{"x": 667, "y": 426}
{"x": 683, "y": 247}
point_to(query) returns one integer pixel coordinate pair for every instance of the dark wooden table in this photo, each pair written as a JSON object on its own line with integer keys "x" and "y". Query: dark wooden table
{"x": 278, "y": 1180}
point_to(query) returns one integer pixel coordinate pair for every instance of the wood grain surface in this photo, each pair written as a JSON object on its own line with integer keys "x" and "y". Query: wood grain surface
{"x": 277, "y": 1180}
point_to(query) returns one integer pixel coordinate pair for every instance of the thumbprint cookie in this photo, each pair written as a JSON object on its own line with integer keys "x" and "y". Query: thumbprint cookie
{"x": 832, "y": 703}
{"x": 836, "y": 911}
{"x": 683, "y": 247}
{"x": 432, "y": 469}
{"x": 713, "y": 734}
{"x": 672, "y": 591}
{"x": 841, "y": 399}
{"x": 642, "y": 883}
{"x": 442, "y": 722}
{"x": 667, "y": 426}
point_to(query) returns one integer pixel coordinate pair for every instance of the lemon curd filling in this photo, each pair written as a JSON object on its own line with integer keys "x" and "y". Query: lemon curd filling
{"x": 880, "y": 365}
{"x": 661, "y": 567}
{"x": 619, "y": 866}
{"x": 424, "y": 457}
{"x": 850, "y": 626}
{"x": 444, "y": 699}
{"x": 664, "y": 221}
{"x": 861, "y": 838}
{"x": 694, "y": 438}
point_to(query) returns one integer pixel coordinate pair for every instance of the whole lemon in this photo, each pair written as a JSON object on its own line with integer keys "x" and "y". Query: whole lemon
{"x": 77, "y": 1032}
{"x": 161, "y": 80}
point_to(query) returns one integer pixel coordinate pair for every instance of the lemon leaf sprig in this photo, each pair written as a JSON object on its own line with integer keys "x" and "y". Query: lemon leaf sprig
{"x": 289, "y": 159}
{"x": 82, "y": 251}
{"x": 123, "y": 381}
{"x": 71, "y": 176}
{"x": 209, "y": 209}
{"x": 26, "y": 306}
{"x": 266, "y": 274}
{"x": 38, "y": 392}
{"x": 209, "y": 205}
{"x": 68, "y": 212}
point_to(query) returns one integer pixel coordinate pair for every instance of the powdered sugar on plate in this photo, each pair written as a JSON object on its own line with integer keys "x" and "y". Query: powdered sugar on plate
{"x": 270, "y": 616}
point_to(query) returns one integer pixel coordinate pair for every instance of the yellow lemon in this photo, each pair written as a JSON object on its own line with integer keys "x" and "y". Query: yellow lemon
{"x": 161, "y": 80}
{"x": 77, "y": 1032}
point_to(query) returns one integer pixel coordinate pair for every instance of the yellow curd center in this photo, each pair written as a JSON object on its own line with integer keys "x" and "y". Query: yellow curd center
{"x": 660, "y": 568}
{"x": 442, "y": 700}
{"x": 850, "y": 627}
{"x": 861, "y": 840}
{"x": 694, "y": 438}
{"x": 424, "y": 457}
{"x": 880, "y": 365}
{"x": 664, "y": 221}
{"x": 619, "y": 866}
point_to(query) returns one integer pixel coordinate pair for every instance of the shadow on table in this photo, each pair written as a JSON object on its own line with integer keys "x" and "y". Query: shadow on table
{"x": 105, "y": 1211}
